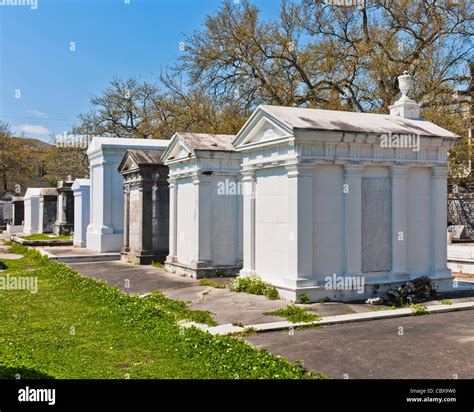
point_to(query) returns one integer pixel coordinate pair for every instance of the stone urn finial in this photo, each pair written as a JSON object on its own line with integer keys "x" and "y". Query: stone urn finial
{"x": 405, "y": 107}
{"x": 405, "y": 83}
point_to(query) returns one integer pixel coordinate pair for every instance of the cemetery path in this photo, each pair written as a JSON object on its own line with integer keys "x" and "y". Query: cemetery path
{"x": 418, "y": 347}
{"x": 226, "y": 306}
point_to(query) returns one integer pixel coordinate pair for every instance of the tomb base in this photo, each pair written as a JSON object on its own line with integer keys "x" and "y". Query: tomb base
{"x": 140, "y": 258}
{"x": 104, "y": 242}
{"x": 14, "y": 228}
{"x": 63, "y": 228}
{"x": 199, "y": 272}
{"x": 372, "y": 288}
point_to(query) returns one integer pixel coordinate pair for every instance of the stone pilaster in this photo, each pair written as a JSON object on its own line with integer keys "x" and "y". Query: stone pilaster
{"x": 439, "y": 219}
{"x": 353, "y": 218}
{"x": 398, "y": 176}
{"x": 202, "y": 229}
{"x": 300, "y": 224}
{"x": 173, "y": 222}
{"x": 248, "y": 187}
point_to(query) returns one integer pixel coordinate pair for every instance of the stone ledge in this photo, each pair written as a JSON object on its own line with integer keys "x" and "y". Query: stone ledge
{"x": 52, "y": 242}
{"x": 360, "y": 317}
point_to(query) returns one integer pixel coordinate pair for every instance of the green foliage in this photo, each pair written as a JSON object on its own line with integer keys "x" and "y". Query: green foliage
{"x": 76, "y": 327}
{"x": 45, "y": 236}
{"x": 294, "y": 314}
{"x": 158, "y": 265}
{"x": 446, "y": 302}
{"x": 213, "y": 283}
{"x": 255, "y": 286}
{"x": 304, "y": 299}
{"x": 417, "y": 309}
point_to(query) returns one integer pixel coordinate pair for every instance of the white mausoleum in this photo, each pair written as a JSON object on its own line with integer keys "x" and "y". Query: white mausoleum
{"x": 338, "y": 198}
{"x": 205, "y": 235}
{"x": 31, "y": 208}
{"x": 106, "y": 229}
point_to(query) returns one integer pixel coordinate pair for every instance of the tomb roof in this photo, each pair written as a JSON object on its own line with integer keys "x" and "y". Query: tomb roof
{"x": 99, "y": 143}
{"x": 354, "y": 122}
{"x": 32, "y": 191}
{"x": 48, "y": 191}
{"x": 205, "y": 141}
{"x": 143, "y": 157}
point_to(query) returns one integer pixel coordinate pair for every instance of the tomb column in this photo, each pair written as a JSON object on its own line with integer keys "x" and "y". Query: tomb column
{"x": 439, "y": 219}
{"x": 173, "y": 228}
{"x": 398, "y": 176}
{"x": 106, "y": 216}
{"x": 202, "y": 199}
{"x": 353, "y": 218}
{"x": 249, "y": 193}
{"x": 146, "y": 225}
{"x": 300, "y": 224}
{"x": 92, "y": 173}
{"x": 126, "y": 218}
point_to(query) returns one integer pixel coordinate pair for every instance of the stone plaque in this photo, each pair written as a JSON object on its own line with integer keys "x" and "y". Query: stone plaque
{"x": 376, "y": 225}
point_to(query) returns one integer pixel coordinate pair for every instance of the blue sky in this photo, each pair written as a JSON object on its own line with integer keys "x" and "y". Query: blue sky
{"x": 44, "y": 85}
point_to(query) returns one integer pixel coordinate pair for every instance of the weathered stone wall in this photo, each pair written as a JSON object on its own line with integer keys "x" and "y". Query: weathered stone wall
{"x": 461, "y": 211}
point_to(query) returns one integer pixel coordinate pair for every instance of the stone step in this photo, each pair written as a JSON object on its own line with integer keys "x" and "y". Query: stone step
{"x": 99, "y": 257}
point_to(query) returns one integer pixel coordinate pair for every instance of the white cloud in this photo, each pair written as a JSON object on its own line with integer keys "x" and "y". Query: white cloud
{"x": 37, "y": 113}
{"x": 34, "y": 129}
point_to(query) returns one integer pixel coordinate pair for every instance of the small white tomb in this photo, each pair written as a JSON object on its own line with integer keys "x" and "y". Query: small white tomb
{"x": 106, "y": 226}
{"x": 205, "y": 235}
{"x": 81, "y": 188}
{"x": 31, "y": 210}
{"x": 344, "y": 205}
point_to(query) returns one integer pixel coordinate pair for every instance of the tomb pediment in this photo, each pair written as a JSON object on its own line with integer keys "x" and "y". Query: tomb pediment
{"x": 260, "y": 129}
{"x": 178, "y": 149}
{"x": 128, "y": 164}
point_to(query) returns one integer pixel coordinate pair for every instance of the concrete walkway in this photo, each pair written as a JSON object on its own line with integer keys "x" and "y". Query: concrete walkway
{"x": 228, "y": 307}
{"x": 225, "y": 305}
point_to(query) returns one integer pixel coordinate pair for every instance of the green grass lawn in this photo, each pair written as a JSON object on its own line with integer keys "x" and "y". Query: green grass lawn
{"x": 46, "y": 236}
{"x": 76, "y": 327}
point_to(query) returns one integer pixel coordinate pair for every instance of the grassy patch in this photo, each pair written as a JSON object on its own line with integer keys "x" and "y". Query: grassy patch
{"x": 294, "y": 314}
{"x": 245, "y": 332}
{"x": 158, "y": 265}
{"x": 304, "y": 299}
{"x": 213, "y": 283}
{"x": 46, "y": 236}
{"x": 76, "y": 327}
{"x": 446, "y": 302}
{"x": 255, "y": 286}
{"x": 417, "y": 309}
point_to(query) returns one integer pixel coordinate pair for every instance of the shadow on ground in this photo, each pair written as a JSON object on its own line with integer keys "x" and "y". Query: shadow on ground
{"x": 7, "y": 372}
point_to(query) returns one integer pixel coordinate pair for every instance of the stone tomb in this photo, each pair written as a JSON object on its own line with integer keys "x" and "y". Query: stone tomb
{"x": 31, "y": 210}
{"x": 18, "y": 215}
{"x": 105, "y": 229}
{"x": 40, "y": 210}
{"x": 344, "y": 205}
{"x": 18, "y": 211}
{"x": 64, "y": 224}
{"x": 48, "y": 200}
{"x": 205, "y": 205}
{"x": 81, "y": 188}
{"x": 146, "y": 207}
